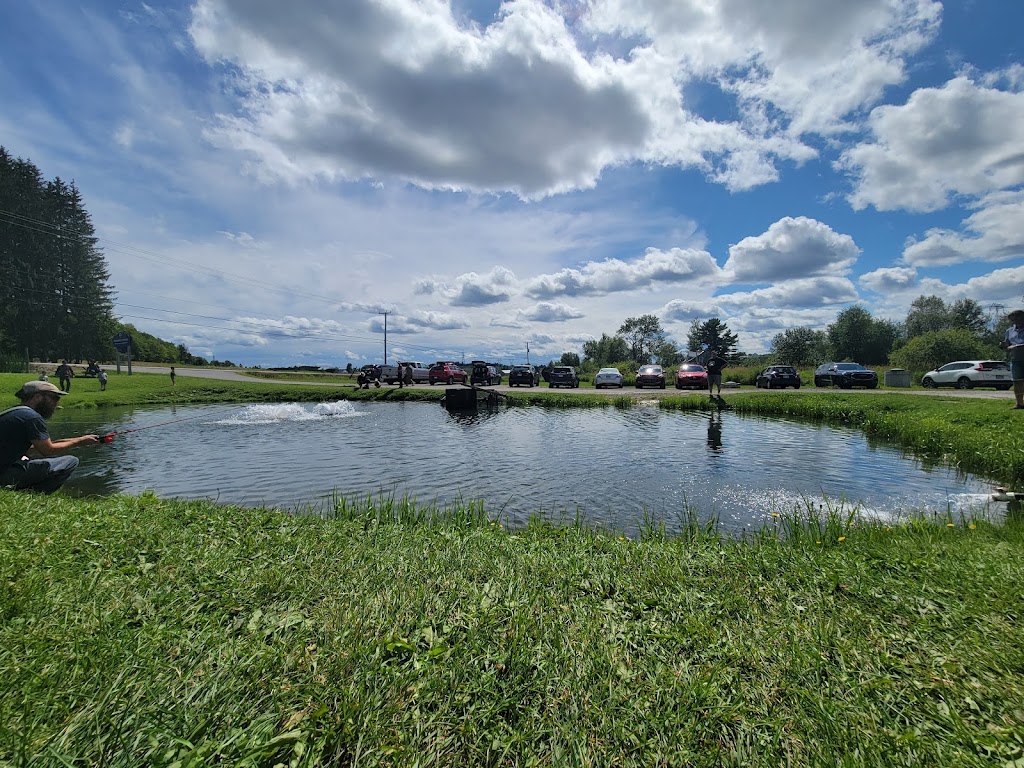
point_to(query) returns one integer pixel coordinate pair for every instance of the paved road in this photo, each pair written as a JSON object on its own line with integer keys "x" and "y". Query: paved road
{"x": 229, "y": 375}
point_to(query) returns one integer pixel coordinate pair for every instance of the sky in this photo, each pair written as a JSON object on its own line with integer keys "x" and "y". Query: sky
{"x": 267, "y": 179}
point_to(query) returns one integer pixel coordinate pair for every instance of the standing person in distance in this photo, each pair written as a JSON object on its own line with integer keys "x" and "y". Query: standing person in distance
{"x": 102, "y": 378}
{"x": 173, "y": 375}
{"x": 1013, "y": 343}
{"x": 407, "y": 375}
{"x": 22, "y": 428}
{"x": 714, "y": 367}
{"x": 65, "y": 374}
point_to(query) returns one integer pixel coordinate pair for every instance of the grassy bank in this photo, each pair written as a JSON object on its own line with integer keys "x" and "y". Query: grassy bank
{"x": 139, "y": 631}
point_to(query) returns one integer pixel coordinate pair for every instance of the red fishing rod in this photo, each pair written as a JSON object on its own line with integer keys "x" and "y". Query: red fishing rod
{"x": 109, "y": 437}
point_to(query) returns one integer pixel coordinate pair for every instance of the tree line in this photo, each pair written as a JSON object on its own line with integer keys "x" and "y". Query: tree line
{"x": 933, "y": 333}
{"x": 56, "y": 299}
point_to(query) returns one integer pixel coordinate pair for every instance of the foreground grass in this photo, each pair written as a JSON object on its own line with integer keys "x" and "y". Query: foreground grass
{"x": 140, "y": 631}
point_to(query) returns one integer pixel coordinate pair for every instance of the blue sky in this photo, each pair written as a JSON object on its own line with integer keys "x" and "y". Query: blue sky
{"x": 266, "y": 178}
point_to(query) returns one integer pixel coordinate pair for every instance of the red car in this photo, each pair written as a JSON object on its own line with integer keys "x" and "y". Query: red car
{"x": 691, "y": 376}
{"x": 449, "y": 373}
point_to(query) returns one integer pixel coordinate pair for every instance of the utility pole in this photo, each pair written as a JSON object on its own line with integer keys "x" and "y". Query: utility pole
{"x": 527, "y": 353}
{"x": 385, "y": 335}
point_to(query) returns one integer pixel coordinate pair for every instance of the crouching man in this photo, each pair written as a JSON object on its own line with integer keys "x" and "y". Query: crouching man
{"x": 24, "y": 427}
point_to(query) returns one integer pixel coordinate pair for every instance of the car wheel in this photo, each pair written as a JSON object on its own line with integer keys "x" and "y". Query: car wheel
{"x": 638, "y": 386}
{"x": 964, "y": 383}
{"x": 662, "y": 385}
{"x": 451, "y": 380}
{"x": 928, "y": 383}
{"x": 1003, "y": 387}
{"x": 797, "y": 385}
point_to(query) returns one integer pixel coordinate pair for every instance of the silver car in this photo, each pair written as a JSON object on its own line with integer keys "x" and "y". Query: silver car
{"x": 608, "y": 377}
{"x": 967, "y": 374}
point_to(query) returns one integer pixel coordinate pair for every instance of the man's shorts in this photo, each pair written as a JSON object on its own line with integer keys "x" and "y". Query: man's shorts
{"x": 715, "y": 378}
{"x": 1017, "y": 370}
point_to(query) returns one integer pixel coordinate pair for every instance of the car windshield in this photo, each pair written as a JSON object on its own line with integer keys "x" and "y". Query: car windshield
{"x": 849, "y": 367}
{"x": 521, "y": 369}
{"x": 562, "y": 370}
{"x": 651, "y": 369}
{"x": 609, "y": 370}
{"x": 691, "y": 368}
{"x": 782, "y": 369}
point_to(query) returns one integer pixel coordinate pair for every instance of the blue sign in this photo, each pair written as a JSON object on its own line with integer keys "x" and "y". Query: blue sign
{"x": 123, "y": 342}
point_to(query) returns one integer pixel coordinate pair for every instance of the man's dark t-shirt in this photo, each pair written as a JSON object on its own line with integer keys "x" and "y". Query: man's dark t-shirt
{"x": 715, "y": 365}
{"x": 19, "y": 428}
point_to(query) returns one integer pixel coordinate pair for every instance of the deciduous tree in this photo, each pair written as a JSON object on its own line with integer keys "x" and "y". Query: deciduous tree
{"x": 643, "y": 335}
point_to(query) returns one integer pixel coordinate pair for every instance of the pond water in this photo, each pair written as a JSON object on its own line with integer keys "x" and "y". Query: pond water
{"x": 609, "y": 466}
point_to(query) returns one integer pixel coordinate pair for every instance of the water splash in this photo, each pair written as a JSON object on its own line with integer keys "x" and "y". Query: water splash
{"x": 277, "y": 413}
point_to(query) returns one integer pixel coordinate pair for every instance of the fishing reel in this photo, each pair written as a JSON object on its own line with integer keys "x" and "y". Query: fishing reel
{"x": 108, "y": 438}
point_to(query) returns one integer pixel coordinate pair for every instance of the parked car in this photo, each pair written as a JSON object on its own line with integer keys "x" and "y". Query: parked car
{"x": 484, "y": 373}
{"x": 691, "y": 376}
{"x": 844, "y": 376}
{"x": 523, "y": 374}
{"x": 608, "y": 377}
{"x": 780, "y": 376}
{"x": 449, "y": 373}
{"x": 650, "y": 376}
{"x": 563, "y": 376}
{"x": 965, "y": 374}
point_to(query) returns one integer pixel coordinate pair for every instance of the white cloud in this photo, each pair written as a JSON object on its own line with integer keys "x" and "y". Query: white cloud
{"x": 792, "y": 247}
{"x": 807, "y": 292}
{"x": 613, "y": 275}
{"x": 888, "y": 280}
{"x": 549, "y": 312}
{"x": 995, "y": 232}
{"x": 543, "y": 98}
{"x": 961, "y": 139}
{"x": 473, "y": 290}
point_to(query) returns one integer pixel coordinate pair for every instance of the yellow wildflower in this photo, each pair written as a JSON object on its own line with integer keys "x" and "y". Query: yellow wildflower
{"x": 950, "y": 525}
{"x": 842, "y": 538}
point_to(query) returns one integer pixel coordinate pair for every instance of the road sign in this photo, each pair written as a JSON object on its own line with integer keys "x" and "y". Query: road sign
{"x": 123, "y": 342}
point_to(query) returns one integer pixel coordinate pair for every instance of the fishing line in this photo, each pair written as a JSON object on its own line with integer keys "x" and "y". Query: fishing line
{"x": 109, "y": 437}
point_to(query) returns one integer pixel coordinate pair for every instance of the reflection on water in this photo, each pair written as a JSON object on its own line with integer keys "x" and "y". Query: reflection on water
{"x": 611, "y": 466}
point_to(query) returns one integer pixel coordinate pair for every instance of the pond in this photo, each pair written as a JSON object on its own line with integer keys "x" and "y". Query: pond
{"x": 611, "y": 467}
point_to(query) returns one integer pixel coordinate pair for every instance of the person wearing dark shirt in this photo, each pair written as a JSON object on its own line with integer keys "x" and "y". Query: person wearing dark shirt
{"x": 714, "y": 367}
{"x": 23, "y": 428}
{"x": 65, "y": 374}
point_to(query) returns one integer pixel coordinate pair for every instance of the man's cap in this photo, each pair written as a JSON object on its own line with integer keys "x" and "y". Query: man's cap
{"x": 30, "y": 388}
{"x": 1016, "y": 313}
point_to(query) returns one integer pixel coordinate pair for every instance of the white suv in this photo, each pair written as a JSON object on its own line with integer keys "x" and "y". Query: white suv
{"x": 966, "y": 374}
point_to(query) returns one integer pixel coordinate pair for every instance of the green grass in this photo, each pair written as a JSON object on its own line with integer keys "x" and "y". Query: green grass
{"x": 141, "y": 631}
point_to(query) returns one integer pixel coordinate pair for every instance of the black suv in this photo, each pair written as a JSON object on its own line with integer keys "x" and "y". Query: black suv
{"x": 523, "y": 374}
{"x": 484, "y": 373}
{"x": 563, "y": 376}
{"x": 844, "y": 376}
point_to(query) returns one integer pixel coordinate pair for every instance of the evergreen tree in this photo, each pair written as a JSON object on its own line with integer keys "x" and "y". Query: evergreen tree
{"x": 55, "y": 300}
{"x": 715, "y": 334}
